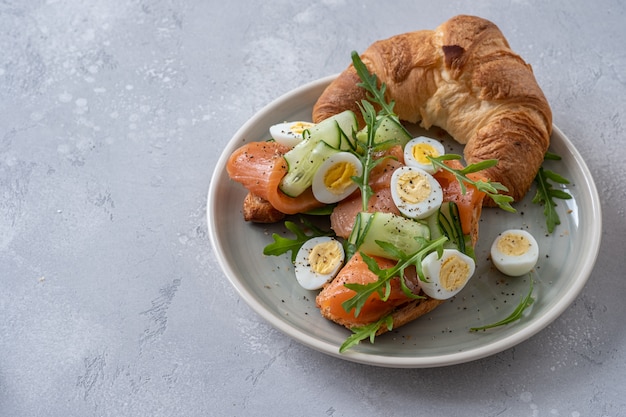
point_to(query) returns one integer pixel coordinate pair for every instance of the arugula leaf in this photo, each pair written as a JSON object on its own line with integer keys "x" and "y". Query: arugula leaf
{"x": 373, "y": 120}
{"x": 283, "y": 245}
{"x": 369, "y": 82}
{"x": 382, "y": 286}
{"x": 546, "y": 193}
{"x": 525, "y": 302}
{"x": 490, "y": 188}
{"x": 551, "y": 156}
{"x": 369, "y": 115}
{"x": 366, "y": 332}
{"x": 325, "y": 210}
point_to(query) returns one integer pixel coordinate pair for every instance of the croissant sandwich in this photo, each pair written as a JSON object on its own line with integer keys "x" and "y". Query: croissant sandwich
{"x": 464, "y": 78}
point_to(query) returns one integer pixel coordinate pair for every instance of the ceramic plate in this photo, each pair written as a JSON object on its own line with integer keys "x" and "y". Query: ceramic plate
{"x": 442, "y": 337}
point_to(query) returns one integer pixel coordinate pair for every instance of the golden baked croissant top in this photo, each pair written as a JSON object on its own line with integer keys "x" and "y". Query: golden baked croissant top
{"x": 464, "y": 78}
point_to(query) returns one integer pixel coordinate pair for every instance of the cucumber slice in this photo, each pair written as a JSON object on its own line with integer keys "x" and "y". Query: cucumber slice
{"x": 446, "y": 221}
{"x": 389, "y": 130}
{"x": 434, "y": 225}
{"x": 336, "y": 131}
{"x": 388, "y": 227}
{"x": 321, "y": 141}
{"x": 302, "y": 170}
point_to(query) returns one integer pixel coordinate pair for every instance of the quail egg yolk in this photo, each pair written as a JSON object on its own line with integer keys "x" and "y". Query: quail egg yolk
{"x": 332, "y": 182}
{"x": 289, "y": 133}
{"x": 318, "y": 260}
{"x": 422, "y": 150}
{"x": 454, "y": 273}
{"x": 513, "y": 244}
{"x": 339, "y": 177}
{"x": 415, "y": 192}
{"x": 447, "y": 275}
{"x": 325, "y": 257}
{"x": 413, "y": 187}
{"x": 419, "y": 149}
{"x": 299, "y": 127}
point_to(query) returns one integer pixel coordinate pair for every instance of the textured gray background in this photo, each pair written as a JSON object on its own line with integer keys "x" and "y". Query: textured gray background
{"x": 112, "y": 116}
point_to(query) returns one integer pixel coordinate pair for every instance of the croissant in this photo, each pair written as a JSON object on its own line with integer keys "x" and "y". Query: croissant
{"x": 464, "y": 78}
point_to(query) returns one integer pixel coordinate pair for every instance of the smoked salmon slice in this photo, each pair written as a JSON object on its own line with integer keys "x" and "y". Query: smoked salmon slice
{"x": 470, "y": 203}
{"x": 380, "y": 175}
{"x": 356, "y": 271}
{"x": 259, "y": 167}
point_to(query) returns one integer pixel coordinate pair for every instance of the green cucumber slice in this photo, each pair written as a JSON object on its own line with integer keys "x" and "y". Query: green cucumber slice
{"x": 322, "y": 140}
{"x": 388, "y": 227}
{"x": 390, "y": 131}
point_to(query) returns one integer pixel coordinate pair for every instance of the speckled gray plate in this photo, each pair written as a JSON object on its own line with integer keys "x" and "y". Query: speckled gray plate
{"x": 442, "y": 337}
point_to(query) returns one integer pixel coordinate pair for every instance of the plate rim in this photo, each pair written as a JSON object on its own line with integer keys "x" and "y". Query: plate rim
{"x": 398, "y": 361}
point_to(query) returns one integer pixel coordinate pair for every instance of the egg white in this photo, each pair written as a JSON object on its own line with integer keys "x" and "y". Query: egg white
{"x": 431, "y": 147}
{"x": 414, "y": 202}
{"x": 330, "y": 190}
{"x": 307, "y": 276}
{"x": 515, "y": 264}
{"x": 438, "y": 271}
{"x": 289, "y": 133}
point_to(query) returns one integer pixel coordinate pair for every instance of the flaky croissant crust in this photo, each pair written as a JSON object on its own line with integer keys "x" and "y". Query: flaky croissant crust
{"x": 464, "y": 78}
